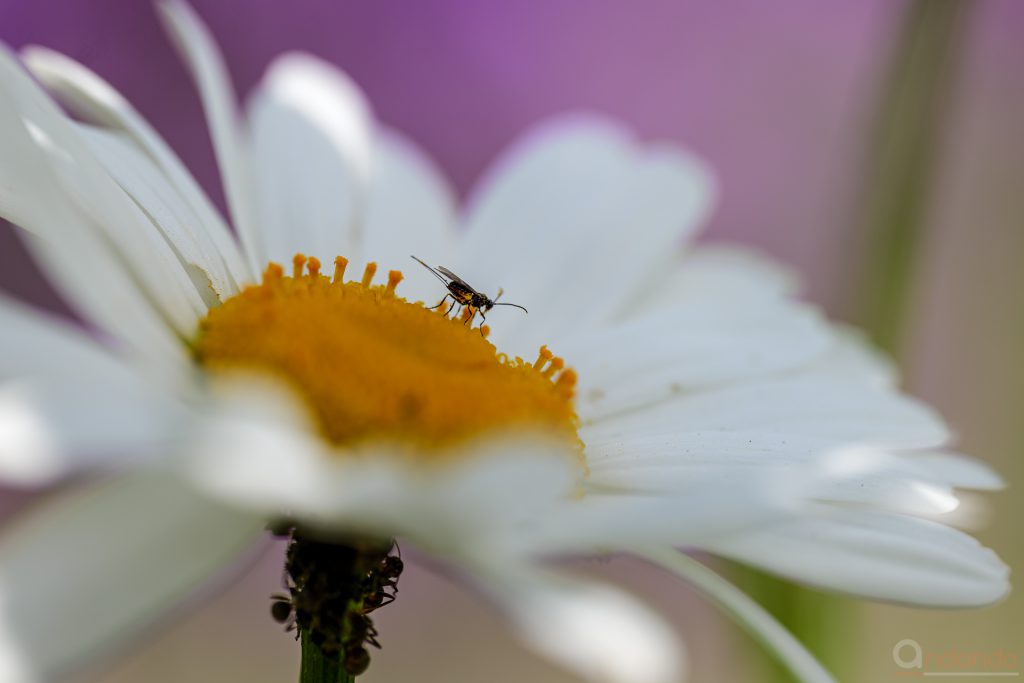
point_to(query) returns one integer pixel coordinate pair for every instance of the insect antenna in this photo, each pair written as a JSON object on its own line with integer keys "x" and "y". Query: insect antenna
{"x": 495, "y": 302}
{"x": 516, "y": 305}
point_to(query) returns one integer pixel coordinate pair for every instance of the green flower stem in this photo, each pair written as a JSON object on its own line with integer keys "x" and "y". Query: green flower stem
{"x": 318, "y": 668}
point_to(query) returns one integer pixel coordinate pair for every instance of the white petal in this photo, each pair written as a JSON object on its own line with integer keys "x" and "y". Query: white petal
{"x": 76, "y": 258}
{"x": 257, "y": 450}
{"x": 84, "y": 183}
{"x": 675, "y": 463}
{"x": 692, "y": 346}
{"x": 718, "y": 271}
{"x": 957, "y": 470}
{"x": 882, "y": 481}
{"x": 411, "y": 210}
{"x": 599, "y": 632}
{"x": 658, "y": 494}
{"x": 616, "y": 515}
{"x": 575, "y": 220}
{"x": 144, "y": 183}
{"x": 836, "y": 411}
{"x": 92, "y": 99}
{"x": 894, "y": 494}
{"x": 93, "y": 282}
{"x": 66, "y": 402}
{"x": 664, "y": 199}
{"x": 747, "y": 613}
{"x": 52, "y": 428}
{"x": 553, "y": 179}
{"x": 852, "y": 358}
{"x": 702, "y": 447}
{"x": 35, "y": 344}
{"x": 311, "y": 136}
{"x": 876, "y": 555}
{"x": 206, "y": 65}
{"x": 87, "y": 570}
{"x": 14, "y": 667}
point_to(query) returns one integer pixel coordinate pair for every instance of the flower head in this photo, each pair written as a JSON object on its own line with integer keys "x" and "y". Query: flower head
{"x": 373, "y": 366}
{"x": 658, "y": 395}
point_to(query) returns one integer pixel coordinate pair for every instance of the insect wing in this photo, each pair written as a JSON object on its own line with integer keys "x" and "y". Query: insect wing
{"x": 455, "y": 278}
{"x": 432, "y": 271}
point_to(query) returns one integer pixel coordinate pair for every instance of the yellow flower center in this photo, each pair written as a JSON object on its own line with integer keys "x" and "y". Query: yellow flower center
{"x": 373, "y": 366}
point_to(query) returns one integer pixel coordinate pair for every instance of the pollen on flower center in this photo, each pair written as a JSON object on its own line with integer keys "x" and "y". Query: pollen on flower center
{"x": 373, "y": 366}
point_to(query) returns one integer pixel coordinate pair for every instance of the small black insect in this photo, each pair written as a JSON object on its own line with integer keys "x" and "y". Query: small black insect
{"x": 463, "y": 294}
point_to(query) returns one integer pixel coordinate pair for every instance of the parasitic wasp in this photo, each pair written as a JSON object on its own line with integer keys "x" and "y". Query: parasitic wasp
{"x": 463, "y": 294}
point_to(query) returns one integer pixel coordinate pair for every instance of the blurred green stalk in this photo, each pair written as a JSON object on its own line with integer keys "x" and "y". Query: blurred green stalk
{"x": 906, "y": 142}
{"x": 890, "y": 215}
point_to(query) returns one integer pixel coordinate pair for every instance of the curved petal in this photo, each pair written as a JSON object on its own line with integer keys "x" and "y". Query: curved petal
{"x": 615, "y": 515}
{"x": 699, "y": 448}
{"x": 149, "y": 189}
{"x": 601, "y": 633}
{"x": 643, "y": 499}
{"x": 836, "y": 411}
{"x": 694, "y": 346}
{"x": 703, "y": 448}
{"x": 581, "y": 218}
{"x": 93, "y": 100}
{"x": 880, "y": 491}
{"x": 76, "y": 257}
{"x": 876, "y": 555}
{"x": 658, "y": 493}
{"x": 877, "y": 480}
{"x": 84, "y": 184}
{"x": 724, "y": 317}
{"x": 747, "y": 613}
{"x": 85, "y": 571}
{"x": 205, "y": 63}
{"x": 311, "y": 136}
{"x": 957, "y": 470}
{"x": 908, "y": 483}
{"x": 691, "y": 466}
{"x": 410, "y": 210}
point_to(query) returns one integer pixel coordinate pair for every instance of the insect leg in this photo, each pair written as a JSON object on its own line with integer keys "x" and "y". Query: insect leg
{"x": 450, "y": 307}
{"x": 443, "y": 301}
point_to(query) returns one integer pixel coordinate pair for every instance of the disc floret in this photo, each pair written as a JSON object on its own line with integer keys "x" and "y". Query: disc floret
{"x": 372, "y": 366}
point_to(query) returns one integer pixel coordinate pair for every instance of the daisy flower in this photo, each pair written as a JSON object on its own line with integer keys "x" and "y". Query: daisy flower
{"x": 658, "y": 395}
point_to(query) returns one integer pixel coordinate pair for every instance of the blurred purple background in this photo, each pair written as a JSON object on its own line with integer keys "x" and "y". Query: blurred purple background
{"x": 771, "y": 93}
{"x": 778, "y": 96}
